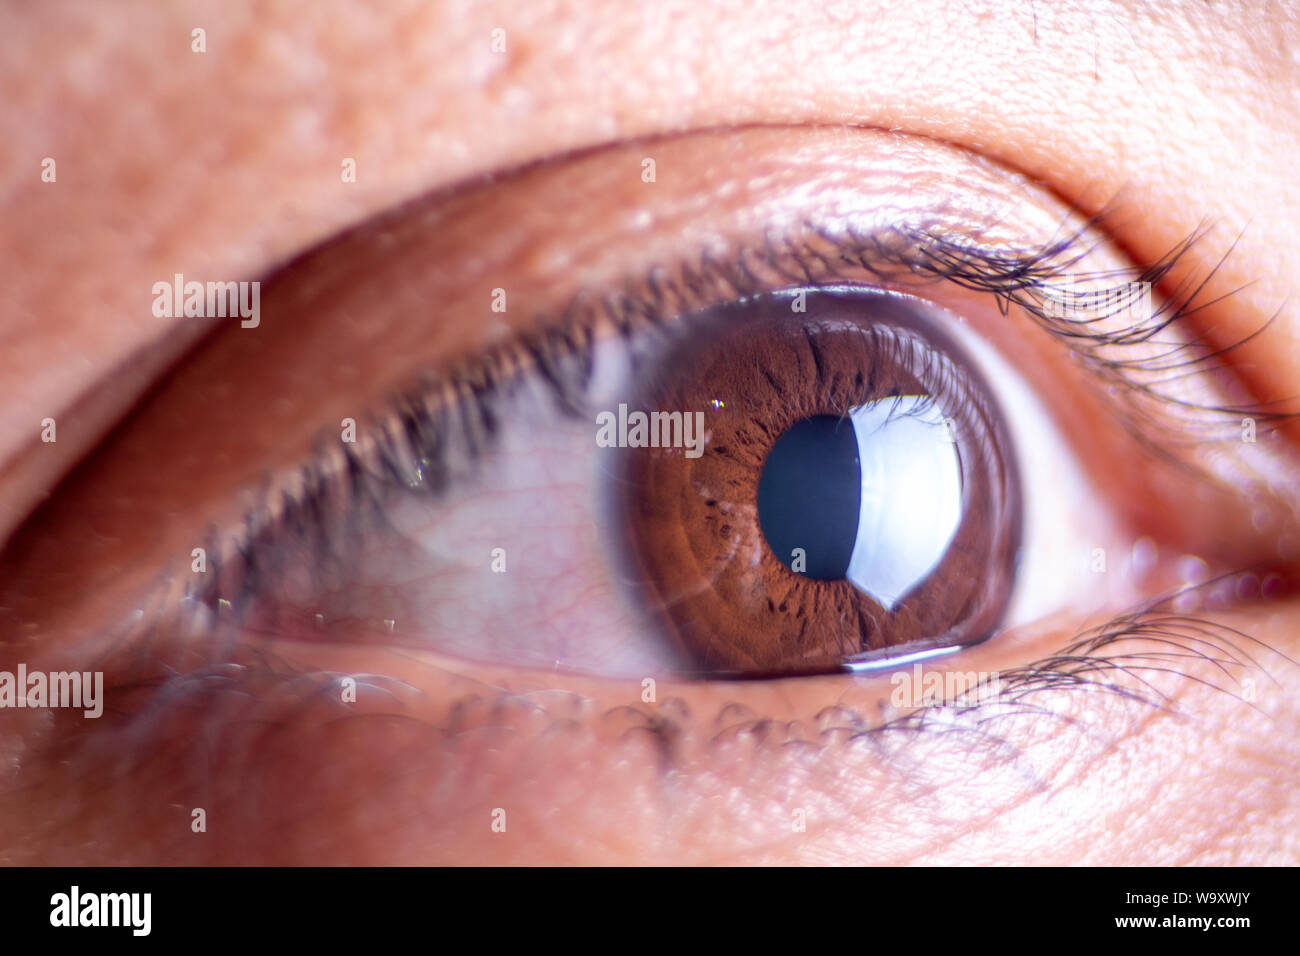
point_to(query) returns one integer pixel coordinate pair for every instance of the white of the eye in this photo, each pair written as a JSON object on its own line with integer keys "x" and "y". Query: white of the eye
{"x": 1065, "y": 519}
{"x": 911, "y": 495}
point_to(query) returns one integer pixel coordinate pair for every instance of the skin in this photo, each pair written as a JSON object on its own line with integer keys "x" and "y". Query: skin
{"x": 226, "y": 164}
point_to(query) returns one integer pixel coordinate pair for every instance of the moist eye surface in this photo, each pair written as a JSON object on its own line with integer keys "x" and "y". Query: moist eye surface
{"x": 788, "y": 483}
{"x": 856, "y": 494}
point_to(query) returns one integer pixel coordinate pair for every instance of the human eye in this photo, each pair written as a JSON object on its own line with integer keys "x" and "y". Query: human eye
{"x": 242, "y": 452}
{"x": 481, "y": 498}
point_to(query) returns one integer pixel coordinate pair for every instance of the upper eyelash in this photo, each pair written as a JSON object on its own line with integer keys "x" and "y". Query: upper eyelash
{"x": 561, "y": 347}
{"x": 1029, "y": 279}
{"x": 1142, "y": 376}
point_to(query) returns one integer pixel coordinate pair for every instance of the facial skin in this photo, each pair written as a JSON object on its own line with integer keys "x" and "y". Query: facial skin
{"x": 226, "y": 164}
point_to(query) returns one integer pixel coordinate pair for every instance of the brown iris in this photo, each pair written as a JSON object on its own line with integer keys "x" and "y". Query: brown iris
{"x": 795, "y": 366}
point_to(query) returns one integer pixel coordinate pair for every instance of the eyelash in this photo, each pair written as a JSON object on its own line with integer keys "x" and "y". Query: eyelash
{"x": 437, "y": 429}
{"x": 1085, "y": 665}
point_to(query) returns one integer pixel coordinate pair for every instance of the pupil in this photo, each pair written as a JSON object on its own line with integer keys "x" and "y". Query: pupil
{"x": 809, "y": 496}
{"x": 874, "y": 497}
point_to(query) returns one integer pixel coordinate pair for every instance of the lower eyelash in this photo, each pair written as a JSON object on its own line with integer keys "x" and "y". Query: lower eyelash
{"x": 1096, "y": 661}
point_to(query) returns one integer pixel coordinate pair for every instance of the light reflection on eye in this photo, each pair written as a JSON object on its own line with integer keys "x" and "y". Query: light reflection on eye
{"x": 885, "y": 471}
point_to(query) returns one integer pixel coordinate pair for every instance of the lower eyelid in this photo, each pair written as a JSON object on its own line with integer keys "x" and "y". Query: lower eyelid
{"x": 440, "y": 745}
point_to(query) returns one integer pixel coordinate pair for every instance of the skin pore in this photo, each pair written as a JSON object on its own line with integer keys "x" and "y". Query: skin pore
{"x": 226, "y": 164}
